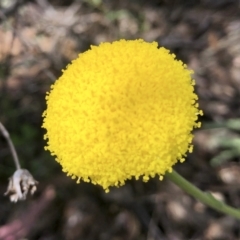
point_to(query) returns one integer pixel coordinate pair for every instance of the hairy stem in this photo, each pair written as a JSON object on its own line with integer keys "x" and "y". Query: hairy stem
{"x": 11, "y": 146}
{"x": 204, "y": 197}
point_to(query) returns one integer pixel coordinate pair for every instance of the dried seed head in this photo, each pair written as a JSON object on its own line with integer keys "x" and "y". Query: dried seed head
{"x": 20, "y": 184}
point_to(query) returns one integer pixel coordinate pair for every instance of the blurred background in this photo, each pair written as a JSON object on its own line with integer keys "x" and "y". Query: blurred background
{"x": 39, "y": 38}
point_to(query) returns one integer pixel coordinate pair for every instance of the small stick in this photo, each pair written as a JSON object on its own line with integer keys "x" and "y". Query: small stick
{"x": 11, "y": 146}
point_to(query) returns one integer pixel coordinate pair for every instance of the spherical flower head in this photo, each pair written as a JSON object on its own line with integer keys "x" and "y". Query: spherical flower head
{"x": 121, "y": 110}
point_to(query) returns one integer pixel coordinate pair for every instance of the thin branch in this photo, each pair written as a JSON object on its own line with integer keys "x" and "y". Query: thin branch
{"x": 11, "y": 146}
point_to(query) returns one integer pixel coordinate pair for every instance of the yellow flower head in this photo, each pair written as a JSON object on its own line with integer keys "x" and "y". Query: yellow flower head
{"x": 120, "y": 110}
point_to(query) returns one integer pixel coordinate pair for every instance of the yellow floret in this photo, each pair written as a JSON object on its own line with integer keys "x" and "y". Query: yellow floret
{"x": 120, "y": 110}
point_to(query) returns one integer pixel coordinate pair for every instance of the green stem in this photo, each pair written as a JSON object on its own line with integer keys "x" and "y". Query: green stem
{"x": 206, "y": 198}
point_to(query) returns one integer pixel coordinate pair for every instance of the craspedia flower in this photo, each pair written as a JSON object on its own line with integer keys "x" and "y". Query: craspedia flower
{"x": 120, "y": 110}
